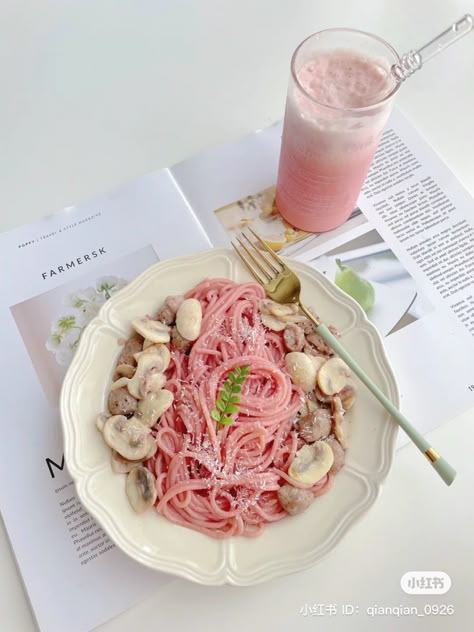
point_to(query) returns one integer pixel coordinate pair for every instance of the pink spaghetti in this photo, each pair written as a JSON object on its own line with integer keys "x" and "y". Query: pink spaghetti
{"x": 225, "y": 482}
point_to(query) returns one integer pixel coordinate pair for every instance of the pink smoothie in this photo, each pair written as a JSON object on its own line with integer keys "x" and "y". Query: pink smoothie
{"x": 326, "y": 148}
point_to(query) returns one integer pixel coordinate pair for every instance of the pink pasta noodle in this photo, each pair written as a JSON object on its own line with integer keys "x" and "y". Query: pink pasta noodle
{"x": 224, "y": 482}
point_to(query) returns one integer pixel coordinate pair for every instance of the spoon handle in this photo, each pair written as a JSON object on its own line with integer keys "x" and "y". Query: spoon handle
{"x": 414, "y": 59}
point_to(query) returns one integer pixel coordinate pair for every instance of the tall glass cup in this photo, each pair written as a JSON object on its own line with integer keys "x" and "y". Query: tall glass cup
{"x": 339, "y": 98}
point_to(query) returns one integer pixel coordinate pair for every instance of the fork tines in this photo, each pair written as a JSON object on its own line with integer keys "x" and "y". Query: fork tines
{"x": 254, "y": 254}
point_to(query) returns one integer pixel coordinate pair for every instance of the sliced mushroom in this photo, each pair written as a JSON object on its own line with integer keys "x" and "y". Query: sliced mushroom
{"x": 121, "y": 402}
{"x": 311, "y": 463}
{"x": 152, "y": 383}
{"x": 348, "y": 395}
{"x": 152, "y": 407}
{"x": 129, "y": 437}
{"x": 124, "y": 370}
{"x": 322, "y": 397}
{"x": 279, "y": 310}
{"x": 160, "y": 350}
{"x": 148, "y": 364}
{"x": 339, "y": 454}
{"x": 152, "y": 451}
{"x": 124, "y": 466}
{"x": 317, "y": 360}
{"x": 121, "y": 465}
{"x": 315, "y": 425}
{"x": 297, "y": 318}
{"x": 294, "y": 500}
{"x": 189, "y": 319}
{"x": 141, "y": 489}
{"x": 100, "y": 421}
{"x": 122, "y": 381}
{"x": 338, "y": 419}
{"x": 333, "y": 376}
{"x": 301, "y": 370}
{"x": 276, "y": 316}
{"x": 151, "y": 329}
{"x": 272, "y": 323}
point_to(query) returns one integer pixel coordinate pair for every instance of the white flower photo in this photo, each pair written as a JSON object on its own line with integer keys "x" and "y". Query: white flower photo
{"x": 51, "y": 323}
{"x": 80, "y": 309}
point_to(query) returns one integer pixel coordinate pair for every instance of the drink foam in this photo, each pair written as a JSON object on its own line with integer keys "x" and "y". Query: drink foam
{"x": 345, "y": 79}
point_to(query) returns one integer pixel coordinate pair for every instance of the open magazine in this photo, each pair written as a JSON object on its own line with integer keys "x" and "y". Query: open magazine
{"x": 411, "y": 237}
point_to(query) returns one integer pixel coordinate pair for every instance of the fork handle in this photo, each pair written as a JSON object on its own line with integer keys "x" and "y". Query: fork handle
{"x": 444, "y": 469}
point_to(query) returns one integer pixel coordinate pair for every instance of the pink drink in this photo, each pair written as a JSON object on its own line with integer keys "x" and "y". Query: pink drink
{"x": 338, "y": 103}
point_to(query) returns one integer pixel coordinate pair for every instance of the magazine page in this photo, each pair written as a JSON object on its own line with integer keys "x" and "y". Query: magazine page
{"x": 425, "y": 344}
{"x": 411, "y": 207}
{"x": 66, "y": 266}
{"x": 426, "y": 219}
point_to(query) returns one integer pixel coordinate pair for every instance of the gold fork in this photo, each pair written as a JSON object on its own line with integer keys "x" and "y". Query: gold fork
{"x": 283, "y": 286}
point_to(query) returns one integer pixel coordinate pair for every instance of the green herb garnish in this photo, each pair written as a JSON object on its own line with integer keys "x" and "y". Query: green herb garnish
{"x": 228, "y": 400}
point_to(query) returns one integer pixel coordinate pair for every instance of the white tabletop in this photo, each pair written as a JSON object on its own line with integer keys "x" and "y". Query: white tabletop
{"x": 95, "y": 93}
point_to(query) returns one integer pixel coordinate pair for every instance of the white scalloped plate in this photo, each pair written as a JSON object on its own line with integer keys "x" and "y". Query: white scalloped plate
{"x": 293, "y": 544}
